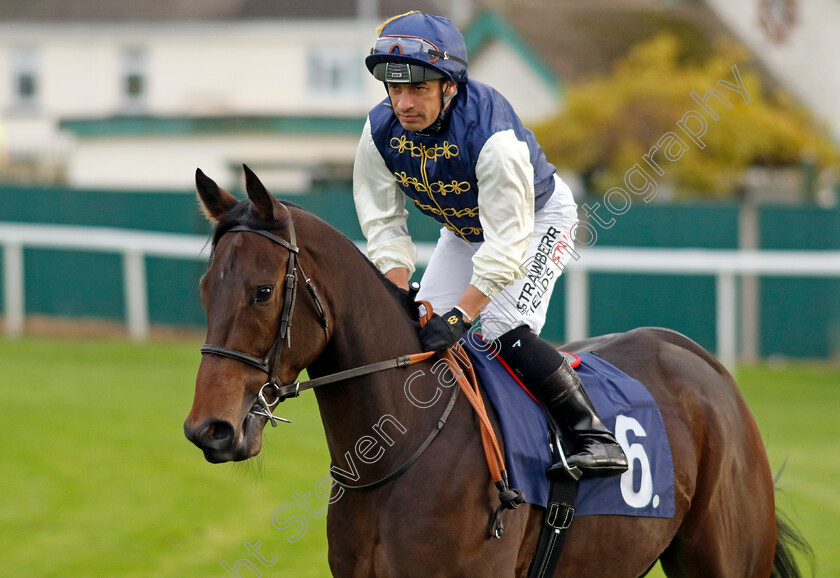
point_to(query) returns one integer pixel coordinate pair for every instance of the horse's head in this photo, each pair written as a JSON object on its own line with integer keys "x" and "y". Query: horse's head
{"x": 250, "y": 304}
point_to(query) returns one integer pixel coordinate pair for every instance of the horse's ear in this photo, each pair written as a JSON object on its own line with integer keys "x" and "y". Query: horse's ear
{"x": 215, "y": 201}
{"x": 266, "y": 206}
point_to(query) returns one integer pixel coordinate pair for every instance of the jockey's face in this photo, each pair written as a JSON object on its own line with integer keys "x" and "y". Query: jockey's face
{"x": 418, "y": 105}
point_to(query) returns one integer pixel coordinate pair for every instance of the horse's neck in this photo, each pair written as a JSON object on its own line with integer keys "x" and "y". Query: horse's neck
{"x": 369, "y": 326}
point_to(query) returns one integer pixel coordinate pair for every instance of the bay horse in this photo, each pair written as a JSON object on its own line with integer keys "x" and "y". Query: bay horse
{"x": 430, "y": 519}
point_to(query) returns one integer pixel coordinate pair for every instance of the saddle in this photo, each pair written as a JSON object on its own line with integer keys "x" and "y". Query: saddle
{"x": 533, "y": 442}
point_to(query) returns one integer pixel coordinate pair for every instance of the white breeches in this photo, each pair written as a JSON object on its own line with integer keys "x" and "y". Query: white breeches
{"x": 523, "y": 302}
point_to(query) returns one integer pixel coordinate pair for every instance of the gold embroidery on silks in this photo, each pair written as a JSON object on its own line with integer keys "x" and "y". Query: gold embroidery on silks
{"x": 452, "y": 212}
{"x": 463, "y": 232}
{"x": 446, "y": 150}
{"x": 407, "y": 181}
{"x": 453, "y": 187}
{"x": 448, "y": 211}
{"x": 437, "y": 187}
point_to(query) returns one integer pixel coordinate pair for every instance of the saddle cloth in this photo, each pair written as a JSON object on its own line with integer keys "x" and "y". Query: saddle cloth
{"x": 625, "y": 406}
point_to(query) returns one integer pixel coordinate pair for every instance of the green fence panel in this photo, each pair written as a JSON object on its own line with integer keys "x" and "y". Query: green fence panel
{"x": 620, "y": 302}
{"x": 699, "y": 226}
{"x": 800, "y": 317}
{"x": 155, "y": 211}
{"x": 174, "y": 298}
{"x": 73, "y": 284}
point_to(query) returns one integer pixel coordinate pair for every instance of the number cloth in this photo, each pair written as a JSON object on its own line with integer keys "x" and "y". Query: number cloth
{"x": 625, "y": 406}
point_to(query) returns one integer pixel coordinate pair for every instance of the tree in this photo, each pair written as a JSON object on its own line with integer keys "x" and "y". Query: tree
{"x": 609, "y": 124}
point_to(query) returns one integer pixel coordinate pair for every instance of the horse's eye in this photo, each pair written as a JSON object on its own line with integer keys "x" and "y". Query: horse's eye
{"x": 263, "y": 293}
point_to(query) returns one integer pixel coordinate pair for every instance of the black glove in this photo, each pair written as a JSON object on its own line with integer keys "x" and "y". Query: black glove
{"x": 444, "y": 332}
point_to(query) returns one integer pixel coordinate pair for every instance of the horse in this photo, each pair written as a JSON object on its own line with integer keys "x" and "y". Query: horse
{"x": 410, "y": 505}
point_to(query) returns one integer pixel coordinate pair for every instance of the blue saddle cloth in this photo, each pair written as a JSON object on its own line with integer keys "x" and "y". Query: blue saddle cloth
{"x": 625, "y": 406}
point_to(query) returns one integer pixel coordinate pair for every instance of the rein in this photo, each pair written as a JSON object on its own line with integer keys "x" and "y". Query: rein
{"x": 461, "y": 368}
{"x": 509, "y": 498}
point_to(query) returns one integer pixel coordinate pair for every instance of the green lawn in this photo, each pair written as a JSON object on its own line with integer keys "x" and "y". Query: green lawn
{"x": 98, "y": 480}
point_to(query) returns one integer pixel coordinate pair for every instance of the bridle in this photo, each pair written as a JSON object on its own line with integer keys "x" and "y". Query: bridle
{"x": 270, "y": 362}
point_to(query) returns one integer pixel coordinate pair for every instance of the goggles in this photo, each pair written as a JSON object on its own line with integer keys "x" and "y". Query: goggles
{"x": 411, "y": 46}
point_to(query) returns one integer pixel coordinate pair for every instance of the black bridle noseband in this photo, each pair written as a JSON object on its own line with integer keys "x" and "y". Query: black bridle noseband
{"x": 269, "y": 363}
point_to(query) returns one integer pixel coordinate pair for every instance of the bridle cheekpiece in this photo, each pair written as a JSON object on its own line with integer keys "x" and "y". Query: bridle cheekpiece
{"x": 270, "y": 362}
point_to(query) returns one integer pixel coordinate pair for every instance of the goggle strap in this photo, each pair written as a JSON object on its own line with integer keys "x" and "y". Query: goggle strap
{"x": 447, "y": 56}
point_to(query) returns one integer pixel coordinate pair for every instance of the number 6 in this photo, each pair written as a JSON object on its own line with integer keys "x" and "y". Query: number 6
{"x": 635, "y": 453}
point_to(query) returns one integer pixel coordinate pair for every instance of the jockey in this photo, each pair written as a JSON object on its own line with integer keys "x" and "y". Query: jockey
{"x": 457, "y": 149}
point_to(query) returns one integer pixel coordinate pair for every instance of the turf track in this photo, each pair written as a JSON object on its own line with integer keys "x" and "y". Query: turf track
{"x": 98, "y": 480}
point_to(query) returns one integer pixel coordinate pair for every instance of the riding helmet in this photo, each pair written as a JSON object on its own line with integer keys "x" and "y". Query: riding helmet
{"x": 416, "y": 47}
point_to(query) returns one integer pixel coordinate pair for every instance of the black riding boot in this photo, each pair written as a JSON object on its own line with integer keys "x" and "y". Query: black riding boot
{"x": 598, "y": 452}
{"x": 548, "y": 376}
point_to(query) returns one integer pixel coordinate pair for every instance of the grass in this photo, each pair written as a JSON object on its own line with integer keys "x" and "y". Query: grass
{"x": 796, "y": 410}
{"x": 98, "y": 480}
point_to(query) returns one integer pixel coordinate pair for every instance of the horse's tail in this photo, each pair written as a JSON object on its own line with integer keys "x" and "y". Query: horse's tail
{"x": 788, "y": 541}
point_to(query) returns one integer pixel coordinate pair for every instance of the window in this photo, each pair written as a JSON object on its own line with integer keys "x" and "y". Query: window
{"x": 25, "y": 81}
{"x": 335, "y": 72}
{"x": 133, "y": 80}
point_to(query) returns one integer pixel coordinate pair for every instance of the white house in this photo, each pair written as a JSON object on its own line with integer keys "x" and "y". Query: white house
{"x": 799, "y": 42}
{"x": 136, "y": 95}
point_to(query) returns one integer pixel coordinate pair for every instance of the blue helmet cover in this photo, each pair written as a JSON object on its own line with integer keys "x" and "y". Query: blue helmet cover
{"x": 435, "y": 29}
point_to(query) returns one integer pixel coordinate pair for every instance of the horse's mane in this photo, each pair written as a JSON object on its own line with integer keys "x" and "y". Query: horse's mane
{"x": 241, "y": 214}
{"x": 403, "y": 297}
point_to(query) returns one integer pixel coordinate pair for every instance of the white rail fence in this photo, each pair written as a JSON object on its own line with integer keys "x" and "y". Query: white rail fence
{"x": 134, "y": 246}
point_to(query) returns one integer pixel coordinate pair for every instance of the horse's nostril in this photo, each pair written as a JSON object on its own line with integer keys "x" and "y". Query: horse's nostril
{"x": 216, "y": 435}
{"x": 219, "y": 431}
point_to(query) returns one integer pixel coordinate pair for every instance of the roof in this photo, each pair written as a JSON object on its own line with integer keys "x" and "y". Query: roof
{"x": 565, "y": 39}
{"x": 488, "y": 26}
{"x": 582, "y": 38}
{"x": 93, "y": 11}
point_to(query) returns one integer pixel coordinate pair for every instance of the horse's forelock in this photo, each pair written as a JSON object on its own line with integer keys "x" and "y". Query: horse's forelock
{"x": 242, "y": 214}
